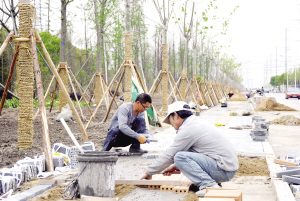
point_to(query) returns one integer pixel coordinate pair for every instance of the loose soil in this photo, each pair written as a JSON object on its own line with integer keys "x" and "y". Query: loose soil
{"x": 54, "y": 194}
{"x": 10, "y": 153}
{"x": 270, "y": 105}
{"x": 238, "y": 97}
{"x": 122, "y": 190}
{"x": 191, "y": 197}
{"x": 252, "y": 167}
{"x": 288, "y": 120}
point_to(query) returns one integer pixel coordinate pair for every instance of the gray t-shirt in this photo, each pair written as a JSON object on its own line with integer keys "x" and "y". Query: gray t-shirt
{"x": 124, "y": 119}
{"x": 200, "y": 136}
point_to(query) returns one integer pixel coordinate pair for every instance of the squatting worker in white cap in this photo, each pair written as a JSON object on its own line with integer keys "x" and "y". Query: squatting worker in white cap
{"x": 199, "y": 151}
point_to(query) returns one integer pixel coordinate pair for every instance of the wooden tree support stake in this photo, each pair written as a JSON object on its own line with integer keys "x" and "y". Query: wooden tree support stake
{"x": 82, "y": 94}
{"x": 64, "y": 90}
{"x": 48, "y": 89}
{"x": 110, "y": 91}
{"x": 40, "y": 93}
{"x": 12, "y": 67}
{"x": 113, "y": 98}
{"x": 53, "y": 97}
{"x": 5, "y": 43}
{"x": 75, "y": 94}
{"x": 100, "y": 102}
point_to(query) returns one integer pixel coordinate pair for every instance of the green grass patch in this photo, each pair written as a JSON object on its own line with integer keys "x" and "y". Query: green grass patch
{"x": 14, "y": 103}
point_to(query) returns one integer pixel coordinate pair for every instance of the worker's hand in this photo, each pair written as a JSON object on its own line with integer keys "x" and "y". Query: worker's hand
{"x": 142, "y": 139}
{"x": 168, "y": 170}
{"x": 145, "y": 175}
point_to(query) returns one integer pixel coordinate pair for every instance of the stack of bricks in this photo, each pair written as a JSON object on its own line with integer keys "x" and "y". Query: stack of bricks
{"x": 73, "y": 156}
{"x": 87, "y": 146}
{"x": 182, "y": 188}
{"x": 260, "y": 130}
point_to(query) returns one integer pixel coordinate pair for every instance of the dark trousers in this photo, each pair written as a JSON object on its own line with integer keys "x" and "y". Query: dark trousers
{"x": 115, "y": 138}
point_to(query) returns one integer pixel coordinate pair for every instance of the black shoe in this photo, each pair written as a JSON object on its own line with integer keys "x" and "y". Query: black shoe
{"x": 134, "y": 150}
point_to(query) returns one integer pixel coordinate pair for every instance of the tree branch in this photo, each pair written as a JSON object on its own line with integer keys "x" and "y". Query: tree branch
{"x": 5, "y": 5}
{"x": 157, "y": 8}
{"x": 4, "y": 11}
{"x": 16, "y": 13}
{"x": 3, "y": 25}
{"x": 184, "y": 19}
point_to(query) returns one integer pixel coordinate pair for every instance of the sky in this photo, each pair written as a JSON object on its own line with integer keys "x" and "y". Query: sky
{"x": 255, "y": 31}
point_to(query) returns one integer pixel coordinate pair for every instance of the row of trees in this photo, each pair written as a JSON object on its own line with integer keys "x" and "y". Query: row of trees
{"x": 292, "y": 76}
{"x": 107, "y": 18}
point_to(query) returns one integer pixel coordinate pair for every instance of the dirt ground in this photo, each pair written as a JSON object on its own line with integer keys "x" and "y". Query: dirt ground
{"x": 10, "y": 153}
{"x": 54, "y": 194}
{"x": 252, "y": 167}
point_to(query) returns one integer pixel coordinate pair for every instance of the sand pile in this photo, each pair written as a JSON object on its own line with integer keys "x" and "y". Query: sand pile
{"x": 271, "y": 105}
{"x": 238, "y": 97}
{"x": 252, "y": 167}
{"x": 288, "y": 120}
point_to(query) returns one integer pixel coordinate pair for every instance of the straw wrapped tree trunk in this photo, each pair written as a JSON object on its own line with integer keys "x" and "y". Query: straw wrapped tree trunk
{"x": 99, "y": 22}
{"x": 164, "y": 15}
{"x": 186, "y": 31}
{"x": 128, "y": 52}
{"x": 64, "y": 77}
{"x": 25, "y": 92}
{"x": 194, "y": 80}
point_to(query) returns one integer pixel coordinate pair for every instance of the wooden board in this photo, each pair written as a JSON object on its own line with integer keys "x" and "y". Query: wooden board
{"x": 211, "y": 188}
{"x": 285, "y": 163}
{"x": 236, "y": 194}
{"x": 216, "y": 199}
{"x": 148, "y": 182}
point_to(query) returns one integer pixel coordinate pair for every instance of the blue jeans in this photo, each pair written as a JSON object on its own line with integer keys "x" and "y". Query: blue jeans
{"x": 115, "y": 138}
{"x": 202, "y": 170}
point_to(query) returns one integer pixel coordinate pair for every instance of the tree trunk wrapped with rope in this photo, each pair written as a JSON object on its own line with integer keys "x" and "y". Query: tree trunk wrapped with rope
{"x": 26, "y": 78}
{"x": 165, "y": 79}
{"x": 183, "y": 83}
{"x": 64, "y": 77}
{"x": 98, "y": 87}
{"x": 128, "y": 72}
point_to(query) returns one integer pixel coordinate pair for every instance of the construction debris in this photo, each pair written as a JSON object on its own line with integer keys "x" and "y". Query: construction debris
{"x": 288, "y": 120}
{"x": 238, "y": 97}
{"x": 271, "y": 105}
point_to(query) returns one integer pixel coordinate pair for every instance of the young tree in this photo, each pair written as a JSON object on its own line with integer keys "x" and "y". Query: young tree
{"x": 164, "y": 16}
{"x": 186, "y": 31}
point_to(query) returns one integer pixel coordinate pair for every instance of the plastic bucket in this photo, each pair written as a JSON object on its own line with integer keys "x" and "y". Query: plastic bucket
{"x": 98, "y": 176}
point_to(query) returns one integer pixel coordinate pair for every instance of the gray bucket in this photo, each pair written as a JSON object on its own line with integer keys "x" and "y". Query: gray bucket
{"x": 98, "y": 177}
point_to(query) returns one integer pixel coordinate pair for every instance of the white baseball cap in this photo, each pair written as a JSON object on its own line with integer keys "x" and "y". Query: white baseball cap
{"x": 175, "y": 107}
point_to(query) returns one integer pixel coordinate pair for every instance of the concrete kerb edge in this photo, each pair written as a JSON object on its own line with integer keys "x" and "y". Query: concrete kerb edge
{"x": 31, "y": 193}
{"x": 281, "y": 188}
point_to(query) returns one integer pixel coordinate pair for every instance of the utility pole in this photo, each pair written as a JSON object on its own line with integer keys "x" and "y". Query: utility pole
{"x": 295, "y": 76}
{"x": 271, "y": 67}
{"x": 267, "y": 70}
{"x": 276, "y": 60}
{"x": 287, "y": 75}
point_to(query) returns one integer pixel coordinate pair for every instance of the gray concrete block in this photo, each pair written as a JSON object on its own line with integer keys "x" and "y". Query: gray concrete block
{"x": 292, "y": 168}
{"x": 31, "y": 193}
{"x": 151, "y": 156}
{"x": 288, "y": 173}
{"x": 291, "y": 179}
